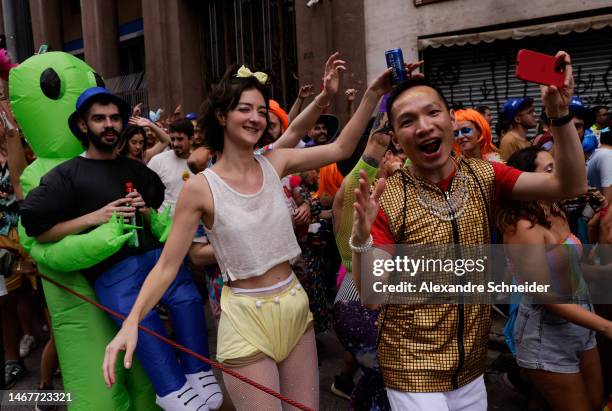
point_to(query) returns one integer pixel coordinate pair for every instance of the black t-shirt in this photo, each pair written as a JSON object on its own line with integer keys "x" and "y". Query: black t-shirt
{"x": 80, "y": 186}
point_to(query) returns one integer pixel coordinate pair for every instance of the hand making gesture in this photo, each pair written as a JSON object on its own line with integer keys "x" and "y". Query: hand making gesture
{"x": 306, "y": 91}
{"x": 366, "y": 207}
{"x": 331, "y": 78}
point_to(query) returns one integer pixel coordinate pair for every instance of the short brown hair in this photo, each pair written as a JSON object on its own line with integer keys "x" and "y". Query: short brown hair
{"x": 223, "y": 97}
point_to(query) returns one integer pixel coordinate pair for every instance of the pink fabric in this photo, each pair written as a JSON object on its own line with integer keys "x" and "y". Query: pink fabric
{"x": 341, "y": 274}
{"x": 5, "y": 64}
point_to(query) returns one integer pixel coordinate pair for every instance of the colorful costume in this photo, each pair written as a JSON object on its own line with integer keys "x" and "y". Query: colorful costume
{"x": 81, "y": 186}
{"x": 429, "y": 347}
{"x": 43, "y": 91}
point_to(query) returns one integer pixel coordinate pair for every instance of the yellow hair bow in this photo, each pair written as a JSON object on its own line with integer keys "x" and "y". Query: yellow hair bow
{"x": 244, "y": 72}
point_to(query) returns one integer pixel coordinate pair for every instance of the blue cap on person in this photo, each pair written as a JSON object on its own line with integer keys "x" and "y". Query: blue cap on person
{"x": 191, "y": 116}
{"x": 589, "y": 142}
{"x": 576, "y": 104}
{"x": 87, "y": 98}
{"x": 514, "y": 105}
{"x": 577, "y": 107}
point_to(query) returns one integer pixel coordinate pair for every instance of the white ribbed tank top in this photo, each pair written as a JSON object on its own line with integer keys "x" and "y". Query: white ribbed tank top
{"x": 251, "y": 233}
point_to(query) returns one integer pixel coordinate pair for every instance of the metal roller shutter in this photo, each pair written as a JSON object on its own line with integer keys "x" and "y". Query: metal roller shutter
{"x": 479, "y": 74}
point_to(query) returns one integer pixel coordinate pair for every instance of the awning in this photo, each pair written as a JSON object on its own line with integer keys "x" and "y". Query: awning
{"x": 561, "y": 27}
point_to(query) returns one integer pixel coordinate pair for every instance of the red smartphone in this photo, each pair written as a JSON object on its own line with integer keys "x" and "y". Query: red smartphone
{"x": 539, "y": 68}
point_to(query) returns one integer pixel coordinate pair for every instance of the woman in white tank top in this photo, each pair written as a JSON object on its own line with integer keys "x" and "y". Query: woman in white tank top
{"x": 264, "y": 330}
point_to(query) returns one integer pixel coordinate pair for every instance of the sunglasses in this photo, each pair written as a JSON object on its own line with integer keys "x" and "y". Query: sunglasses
{"x": 464, "y": 131}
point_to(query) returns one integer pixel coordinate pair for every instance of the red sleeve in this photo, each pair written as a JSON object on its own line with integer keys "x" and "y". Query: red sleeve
{"x": 381, "y": 234}
{"x": 505, "y": 179}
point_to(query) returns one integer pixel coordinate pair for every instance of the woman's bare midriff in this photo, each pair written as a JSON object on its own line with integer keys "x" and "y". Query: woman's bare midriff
{"x": 271, "y": 277}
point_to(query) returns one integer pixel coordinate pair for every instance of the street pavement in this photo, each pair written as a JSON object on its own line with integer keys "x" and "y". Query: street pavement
{"x": 330, "y": 359}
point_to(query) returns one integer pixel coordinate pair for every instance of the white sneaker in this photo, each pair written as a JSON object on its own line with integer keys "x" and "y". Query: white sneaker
{"x": 207, "y": 387}
{"x": 26, "y": 345}
{"x": 183, "y": 399}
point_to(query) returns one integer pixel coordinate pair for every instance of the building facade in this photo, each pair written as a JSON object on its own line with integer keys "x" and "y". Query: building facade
{"x": 169, "y": 52}
{"x": 470, "y": 46}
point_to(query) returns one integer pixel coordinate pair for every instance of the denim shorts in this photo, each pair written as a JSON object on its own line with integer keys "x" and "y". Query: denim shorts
{"x": 545, "y": 341}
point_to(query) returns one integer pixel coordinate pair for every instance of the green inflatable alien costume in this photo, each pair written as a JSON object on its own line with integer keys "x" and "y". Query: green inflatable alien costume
{"x": 43, "y": 91}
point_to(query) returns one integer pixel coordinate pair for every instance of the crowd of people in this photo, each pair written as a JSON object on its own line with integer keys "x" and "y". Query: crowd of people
{"x": 272, "y": 213}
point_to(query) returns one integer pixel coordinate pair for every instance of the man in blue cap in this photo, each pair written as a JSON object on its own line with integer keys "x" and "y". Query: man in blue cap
{"x": 518, "y": 115}
{"x": 583, "y": 117}
{"x": 85, "y": 192}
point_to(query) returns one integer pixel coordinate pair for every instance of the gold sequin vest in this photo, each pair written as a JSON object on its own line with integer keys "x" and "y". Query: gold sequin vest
{"x": 436, "y": 348}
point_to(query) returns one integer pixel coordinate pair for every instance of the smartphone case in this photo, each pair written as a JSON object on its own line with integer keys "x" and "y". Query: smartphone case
{"x": 539, "y": 68}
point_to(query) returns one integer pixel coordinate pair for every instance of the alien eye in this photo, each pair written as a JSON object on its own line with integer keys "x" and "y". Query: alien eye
{"x": 99, "y": 80}
{"x": 50, "y": 84}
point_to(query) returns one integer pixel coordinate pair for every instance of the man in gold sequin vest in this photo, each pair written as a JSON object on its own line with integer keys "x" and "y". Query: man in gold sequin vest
{"x": 433, "y": 356}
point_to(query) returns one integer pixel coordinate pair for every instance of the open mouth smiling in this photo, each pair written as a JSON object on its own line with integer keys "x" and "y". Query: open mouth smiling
{"x": 430, "y": 146}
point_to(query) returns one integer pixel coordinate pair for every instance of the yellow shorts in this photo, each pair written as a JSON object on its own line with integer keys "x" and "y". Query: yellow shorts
{"x": 252, "y": 327}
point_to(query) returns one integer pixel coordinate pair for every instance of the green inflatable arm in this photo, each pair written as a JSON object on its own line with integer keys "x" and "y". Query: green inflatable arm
{"x": 161, "y": 224}
{"x": 80, "y": 251}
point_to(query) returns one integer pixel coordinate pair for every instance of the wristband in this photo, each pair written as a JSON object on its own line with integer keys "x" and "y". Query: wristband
{"x": 364, "y": 248}
{"x": 561, "y": 121}
{"x": 371, "y": 161}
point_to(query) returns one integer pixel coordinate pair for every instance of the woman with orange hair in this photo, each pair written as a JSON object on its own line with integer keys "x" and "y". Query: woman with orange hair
{"x": 473, "y": 136}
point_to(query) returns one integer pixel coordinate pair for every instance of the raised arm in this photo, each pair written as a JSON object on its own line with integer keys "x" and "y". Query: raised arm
{"x": 569, "y": 176}
{"x": 350, "y": 95}
{"x": 189, "y": 209}
{"x": 291, "y": 161}
{"x": 163, "y": 139}
{"x": 306, "y": 119}
{"x": 304, "y": 93}
{"x": 137, "y": 110}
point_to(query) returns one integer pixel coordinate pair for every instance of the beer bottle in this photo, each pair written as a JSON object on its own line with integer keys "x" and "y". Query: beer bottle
{"x": 137, "y": 219}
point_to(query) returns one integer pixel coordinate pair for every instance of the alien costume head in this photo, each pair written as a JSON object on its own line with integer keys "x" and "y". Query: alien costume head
{"x": 43, "y": 91}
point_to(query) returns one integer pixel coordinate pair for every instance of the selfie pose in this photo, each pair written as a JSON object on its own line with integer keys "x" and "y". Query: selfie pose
{"x": 445, "y": 200}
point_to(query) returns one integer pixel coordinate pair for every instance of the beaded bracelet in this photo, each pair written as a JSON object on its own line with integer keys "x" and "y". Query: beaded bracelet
{"x": 364, "y": 248}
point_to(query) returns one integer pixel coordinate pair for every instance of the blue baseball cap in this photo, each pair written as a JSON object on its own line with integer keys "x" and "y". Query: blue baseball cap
{"x": 191, "y": 116}
{"x": 513, "y": 106}
{"x": 87, "y": 98}
{"x": 577, "y": 107}
{"x": 589, "y": 142}
{"x": 577, "y": 104}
